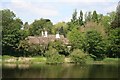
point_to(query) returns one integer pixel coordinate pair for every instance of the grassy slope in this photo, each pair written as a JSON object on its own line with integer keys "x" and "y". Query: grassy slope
{"x": 6, "y": 59}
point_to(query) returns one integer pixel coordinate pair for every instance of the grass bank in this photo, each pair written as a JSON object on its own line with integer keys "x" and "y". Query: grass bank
{"x": 25, "y": 60}
{"x": 39, "y": 59}
{"x": 107, "y": 61}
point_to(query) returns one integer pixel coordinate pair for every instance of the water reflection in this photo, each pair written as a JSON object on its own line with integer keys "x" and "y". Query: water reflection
{"x": 59, "y": 71}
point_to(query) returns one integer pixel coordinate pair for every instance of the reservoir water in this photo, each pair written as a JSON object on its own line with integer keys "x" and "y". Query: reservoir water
{"x": 59, "y": 71}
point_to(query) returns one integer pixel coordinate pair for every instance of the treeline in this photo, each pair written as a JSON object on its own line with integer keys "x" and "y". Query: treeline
{"x": 96, "y": 35}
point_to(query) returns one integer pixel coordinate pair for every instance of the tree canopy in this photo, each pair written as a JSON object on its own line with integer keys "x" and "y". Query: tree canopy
{"x": 91, "y": 33}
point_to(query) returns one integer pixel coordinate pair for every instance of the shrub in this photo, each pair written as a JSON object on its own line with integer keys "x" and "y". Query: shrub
{"x": 53, "y": 56}
{"x": 78, "y": 56}
{"x": 89, "y": 59}
{"x": 60, "y": 47}
{"x": 31, "y": 49}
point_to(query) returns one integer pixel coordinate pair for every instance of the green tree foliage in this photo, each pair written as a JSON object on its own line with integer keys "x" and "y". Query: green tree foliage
{"x": 11, "y": 33}
{"x": 80, "y": 18}
{"x": 112, "y": 15}
{"x": 38, "y": 25}
{"x": 114, "y": 34}
{"x": 116, "y": 22}
{"x": 61, "y": 28}
{"x": 71, "y": 26}
{"x": 24, "y": 48}
{"x": 32, "y": 49}
{"x": 74, "y": 17}
{"x": 76, "y": 39}
{"x": 114, "y": 46}
{"x": 94, "y": 44}
{"x": 85, "y": 38}
{"x": 106, "y": 21}
{"x": 100, "y": 16}
{"x": 88, "y": 17}
{"x": 95, "y": 16}
{"x": 60, "y": 47}
{"x": 74, "y": 21}
{"x": 26, "y": 26}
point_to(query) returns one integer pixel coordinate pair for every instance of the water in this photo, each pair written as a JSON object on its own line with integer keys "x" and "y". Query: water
{"x": 59, "y": 71}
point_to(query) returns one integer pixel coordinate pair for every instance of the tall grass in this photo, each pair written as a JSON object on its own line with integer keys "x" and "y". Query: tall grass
{"x": 111, "y": 60}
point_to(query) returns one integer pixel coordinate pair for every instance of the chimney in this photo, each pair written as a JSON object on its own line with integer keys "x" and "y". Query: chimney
{"x": 45, "y": 34}
{"x": 57, "y": 35}
{"x": 42, "y": 33}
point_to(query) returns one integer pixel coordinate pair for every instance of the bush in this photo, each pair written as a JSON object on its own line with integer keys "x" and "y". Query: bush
{"x": 53, "y": 56}
{"x": 89, "y": 59}
{"x": 31, "y": 49}
{"x": 78, "y": 56}
{"x": 94, "y": 44}
{"x": 60, "y": 47}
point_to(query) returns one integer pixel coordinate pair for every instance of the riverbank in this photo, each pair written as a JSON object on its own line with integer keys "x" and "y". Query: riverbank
{"x": 39, "y": 59}
{"x": 23, "y": 60}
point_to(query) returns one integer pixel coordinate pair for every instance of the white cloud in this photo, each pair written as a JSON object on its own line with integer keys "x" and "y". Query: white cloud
{"x": 69, "y": 1}
{"x": 111, "y": 8}
{"x": 33, "y": 8}
{"x": 75, "y": 1}
{"x": 56, "y": 10}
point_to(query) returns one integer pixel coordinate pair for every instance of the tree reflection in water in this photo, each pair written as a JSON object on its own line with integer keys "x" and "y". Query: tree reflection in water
{"x": 60, "y": 71}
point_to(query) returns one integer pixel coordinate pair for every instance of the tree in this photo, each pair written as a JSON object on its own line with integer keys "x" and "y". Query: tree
{"x": 112, "y": 15}
{"x": 60, "y": 27}
{"x": 100, "y": 16}
{"x": 11, "y": 33}
{"x": 116, "y": 22}
{"x": 38, "y": 25}
{"x": 88, "y": 17}
{"x": 74, "y": 17}
{"x": 80, "y": 18}
{"x": 114, "y": 34}
{"x": 106, "y": 21}
{"x": 94, "y": 44}
{"x": 76, "y": 39}
{"x": 95, "y": 16}
{"x": 114, "y": 43}
{"x": 26, "y": 26}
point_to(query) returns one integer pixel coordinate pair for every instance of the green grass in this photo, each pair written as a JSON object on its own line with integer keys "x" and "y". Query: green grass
{"x": 0, "y": 56}
{"x": 23, "y": 60}
{"x": 111, "y": 60}
{"x": 7, "y": 57}
{"x": 38, "y": 59}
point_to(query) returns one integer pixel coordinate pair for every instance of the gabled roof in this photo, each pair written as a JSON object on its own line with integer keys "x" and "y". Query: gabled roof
{"x": 46, "y": 40}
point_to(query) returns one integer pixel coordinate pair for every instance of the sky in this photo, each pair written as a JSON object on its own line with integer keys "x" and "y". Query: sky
{"x": 55, "y": 10}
